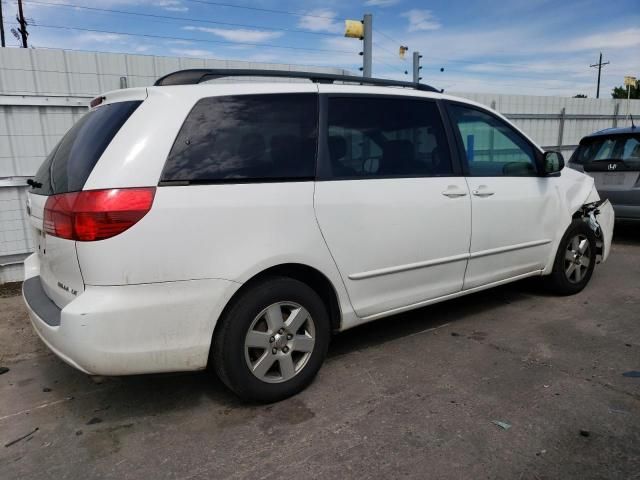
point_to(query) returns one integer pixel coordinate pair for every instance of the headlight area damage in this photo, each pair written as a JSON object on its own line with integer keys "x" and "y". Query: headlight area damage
{"x": 600, "y": 217}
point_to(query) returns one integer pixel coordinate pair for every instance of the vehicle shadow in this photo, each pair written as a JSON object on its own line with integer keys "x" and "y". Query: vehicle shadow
{"x": 432, "y": 316}
{"x": 123, "y": 400}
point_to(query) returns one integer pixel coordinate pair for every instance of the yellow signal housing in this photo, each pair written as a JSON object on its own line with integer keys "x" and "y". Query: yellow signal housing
{"x": 402, "y": 51}
{"x": 353, "y": 29}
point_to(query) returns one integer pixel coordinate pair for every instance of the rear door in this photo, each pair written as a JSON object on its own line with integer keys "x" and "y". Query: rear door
{"x": 392, "y": 206}
{"x": 515, "y": 211}
{"x": 66, "y": 170}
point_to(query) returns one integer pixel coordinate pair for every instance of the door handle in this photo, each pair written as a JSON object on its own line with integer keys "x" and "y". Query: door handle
{"x": 454, "y": 194}
{"x": 482, "y": 193}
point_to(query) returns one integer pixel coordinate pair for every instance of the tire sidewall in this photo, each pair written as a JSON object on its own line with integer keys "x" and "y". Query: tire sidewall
{"x": 240, "y": 317}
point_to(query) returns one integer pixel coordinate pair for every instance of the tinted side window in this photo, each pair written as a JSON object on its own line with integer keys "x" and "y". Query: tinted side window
{"x": 245, "y": 138}
{"x": 68, "y": 166}
{"x": 492, "y": 147}
{"x": 372, "y": 137}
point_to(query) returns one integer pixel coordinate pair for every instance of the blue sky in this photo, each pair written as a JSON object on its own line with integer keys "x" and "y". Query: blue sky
{"x": 541, "y": 47}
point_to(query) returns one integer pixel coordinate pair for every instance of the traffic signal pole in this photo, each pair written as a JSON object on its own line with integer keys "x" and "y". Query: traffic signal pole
{"x": 416, "y": 67}
{"x": 367, "y": 51}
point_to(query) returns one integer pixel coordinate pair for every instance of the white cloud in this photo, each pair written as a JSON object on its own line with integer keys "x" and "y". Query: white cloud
{"x": 614, "y": 40}
{"x": 238, "y": 34}
{"x": 420, "y": 20}
{"x": 381, "y": 3}
{"x": 190, "y": 52}
{"x": 99, "y": 37}
{"x": 172, "y": 5}
{"x": 320, "y": 20}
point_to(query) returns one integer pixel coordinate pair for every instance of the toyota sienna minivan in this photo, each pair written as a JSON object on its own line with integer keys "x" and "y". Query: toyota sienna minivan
{"x": 238, "y": 225}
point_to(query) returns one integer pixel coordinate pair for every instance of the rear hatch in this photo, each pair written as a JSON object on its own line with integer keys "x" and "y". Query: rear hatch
{"x": 66, "y": 170}
{"x": 612, "y": 160}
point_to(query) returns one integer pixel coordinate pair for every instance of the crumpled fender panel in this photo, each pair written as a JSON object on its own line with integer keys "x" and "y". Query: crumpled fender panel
{"x": 576, "y": 190}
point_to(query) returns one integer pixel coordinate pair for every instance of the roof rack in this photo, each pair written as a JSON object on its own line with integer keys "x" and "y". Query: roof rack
{"x": 197, "y": 75}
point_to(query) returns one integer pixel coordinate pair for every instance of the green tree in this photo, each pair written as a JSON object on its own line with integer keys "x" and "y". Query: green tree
{"x": 580, "y": 95}
{"x": 621, "y": 92}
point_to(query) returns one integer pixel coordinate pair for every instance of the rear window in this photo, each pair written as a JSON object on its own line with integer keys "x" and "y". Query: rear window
{"x": 624, "y": 148}
{"x": 246, "y": 138}
{"x": 68, "y": 166}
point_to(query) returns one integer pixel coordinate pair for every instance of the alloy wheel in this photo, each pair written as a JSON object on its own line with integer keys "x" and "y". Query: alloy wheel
{"x": 577, "y": 258}
{"x": 279, "y": 342}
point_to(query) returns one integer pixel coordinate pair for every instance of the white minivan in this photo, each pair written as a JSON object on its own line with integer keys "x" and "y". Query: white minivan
{"x": 238, "y": 225}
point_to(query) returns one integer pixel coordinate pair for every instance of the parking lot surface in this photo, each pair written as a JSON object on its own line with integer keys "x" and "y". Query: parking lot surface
{"x": 510, "y": 383}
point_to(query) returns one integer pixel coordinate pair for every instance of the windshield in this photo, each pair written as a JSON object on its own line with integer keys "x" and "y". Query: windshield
{"x": 624, "y": 148}
{"x": 68, "y": 166}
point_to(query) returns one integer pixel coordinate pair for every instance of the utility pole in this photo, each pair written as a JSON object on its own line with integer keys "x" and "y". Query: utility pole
{"x": 2, "y": 44}
{"x": 362, "y": 30}
{"x": 416, "y": 67}
{"x": 367, "y": 45}
{"x": 23, "y": 25}
{"x": 599, "y": 65}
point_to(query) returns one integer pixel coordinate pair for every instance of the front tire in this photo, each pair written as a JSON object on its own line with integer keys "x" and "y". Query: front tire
{"x": 575, "y": 260}
{"x": 272, "y": 340}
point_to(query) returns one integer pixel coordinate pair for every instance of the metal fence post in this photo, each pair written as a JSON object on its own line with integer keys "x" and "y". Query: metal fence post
{"x": 616, "y": 109}
{"x": 561, "y": 128}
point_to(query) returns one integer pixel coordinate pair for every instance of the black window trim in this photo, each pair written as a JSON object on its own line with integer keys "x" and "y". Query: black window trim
{"x": 462, "y": 154}
{"x": 240, "y": 181}
{"x": 323, "y": 166}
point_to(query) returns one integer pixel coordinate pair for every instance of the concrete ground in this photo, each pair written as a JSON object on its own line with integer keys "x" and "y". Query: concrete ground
{"x": 411, "y": 396}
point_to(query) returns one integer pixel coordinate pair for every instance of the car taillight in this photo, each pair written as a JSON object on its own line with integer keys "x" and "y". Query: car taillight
{"x": 96, "y": 214}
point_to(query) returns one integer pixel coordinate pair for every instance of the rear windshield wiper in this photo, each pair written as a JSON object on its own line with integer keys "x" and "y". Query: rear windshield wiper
{"x": 33, "y": 183}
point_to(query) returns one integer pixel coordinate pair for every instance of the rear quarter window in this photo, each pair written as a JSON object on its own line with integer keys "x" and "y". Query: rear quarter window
{"x": 246, "y": 138}
{"x": 69, "y": 165}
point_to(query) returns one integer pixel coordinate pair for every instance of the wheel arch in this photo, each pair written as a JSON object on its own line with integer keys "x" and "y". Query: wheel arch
{"x": 311, "y": 276}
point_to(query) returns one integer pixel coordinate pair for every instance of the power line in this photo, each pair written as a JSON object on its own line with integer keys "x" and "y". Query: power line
{"x": 389, "y": 37}
{"x": 260, "y": 9}
{"x": 191, "y": 39}
{"x": 172, "y": 17}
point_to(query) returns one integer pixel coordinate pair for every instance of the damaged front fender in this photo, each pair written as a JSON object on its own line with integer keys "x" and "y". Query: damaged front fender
{"x": 600, "y": 217}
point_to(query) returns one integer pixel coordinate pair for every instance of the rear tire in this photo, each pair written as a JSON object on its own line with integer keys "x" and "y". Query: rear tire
{"x": 272, "y": 340}
{"x": 575, "y": 260}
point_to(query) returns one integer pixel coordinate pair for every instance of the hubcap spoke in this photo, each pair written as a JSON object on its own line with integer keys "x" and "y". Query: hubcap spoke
{"x": 257, "y": 339}
{"x": 302, "y": 343}
{"x": 575, "y": 243}
{"x": 584, "y": 261}
{"x": 264, "y": 363}
{"x": 569, "y": 255}
{"x": 286, "y": 367}
{"x": 584, "y": 244}
{"x": 296, "y": 319}
{"x": 578, "y": 273}
{"x": 570, "y": 269}
{"x": 273, "y": 316}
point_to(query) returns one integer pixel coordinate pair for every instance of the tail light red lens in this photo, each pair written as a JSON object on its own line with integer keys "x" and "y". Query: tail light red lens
{"x": 96, "y": 214}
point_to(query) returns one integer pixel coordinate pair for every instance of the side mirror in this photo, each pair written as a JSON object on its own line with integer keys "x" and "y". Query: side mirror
{"x": 553, "y": 162}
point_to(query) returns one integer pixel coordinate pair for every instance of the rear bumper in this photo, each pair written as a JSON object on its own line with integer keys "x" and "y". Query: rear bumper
{"x": 626, "y": 203}
{"x": 134, "y": 329}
